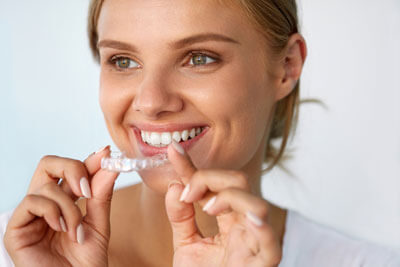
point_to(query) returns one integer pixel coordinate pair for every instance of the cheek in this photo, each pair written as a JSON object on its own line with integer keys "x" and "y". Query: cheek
{"x": 114, "y": 97}
{"x": 240, "y": 95}
{"x": 114, "y": 102}
{"x": 239, "y": 102}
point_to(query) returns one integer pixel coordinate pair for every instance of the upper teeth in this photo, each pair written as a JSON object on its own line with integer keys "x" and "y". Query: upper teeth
{"x": 165, "y": 138}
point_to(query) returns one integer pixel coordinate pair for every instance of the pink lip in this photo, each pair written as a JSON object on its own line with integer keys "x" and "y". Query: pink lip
{"x": 166, "y": 127}
{"x": 149, "y": 151}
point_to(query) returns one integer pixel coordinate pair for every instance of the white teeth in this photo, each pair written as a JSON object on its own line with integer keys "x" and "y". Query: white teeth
{"x": 192, "y": 133}
{"x": 185, "y": 135}
{"x": 155, "y": 138}
{"x": 158, "y": 139}
{"x": 165, "y": 138}
{"x": 176, "y": 136}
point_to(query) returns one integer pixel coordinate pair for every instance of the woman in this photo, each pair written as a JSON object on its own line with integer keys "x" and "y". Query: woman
{"x": 211, "y": 83}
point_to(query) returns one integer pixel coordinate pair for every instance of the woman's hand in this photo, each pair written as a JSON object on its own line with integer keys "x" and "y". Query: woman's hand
{"x": 48, "y": 229}
{"x": 244, "y": 238}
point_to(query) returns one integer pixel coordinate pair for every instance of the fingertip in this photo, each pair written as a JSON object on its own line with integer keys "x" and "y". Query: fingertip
{"x": 80, "y": 234}
{"x": 184, "y": 193}
{"x": 85, "y": 187}
{"x": 254, "y": 219}
{"x": 177, "y": 147}
{"x": 175, "y": 150}
{"x": 175, "y": 208}
{"x": 63, "y": 225}
{"x": 103, "y": 149}
{"x": 174, "y": 182}
{"x": 181, "y": 161}
{"x": 93, "y": 161}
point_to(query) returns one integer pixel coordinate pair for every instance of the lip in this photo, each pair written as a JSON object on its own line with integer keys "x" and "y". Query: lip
{"x": 149, "y": 151}
{"x": 166, "y": 127}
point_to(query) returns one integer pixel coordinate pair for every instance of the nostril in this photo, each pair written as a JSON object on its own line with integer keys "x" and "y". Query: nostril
{"x": 153, "y": 105}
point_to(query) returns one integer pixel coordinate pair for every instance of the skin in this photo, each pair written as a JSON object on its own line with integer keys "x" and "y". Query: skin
{"x": 234, "y": 93}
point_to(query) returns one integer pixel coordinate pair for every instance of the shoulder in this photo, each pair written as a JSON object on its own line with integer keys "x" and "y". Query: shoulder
{"x": 4, "y": 258}
{"x": 307, "y": 243}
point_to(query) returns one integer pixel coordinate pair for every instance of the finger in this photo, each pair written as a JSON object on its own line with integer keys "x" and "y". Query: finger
{"x": 71, "y": 215}
{"x": 269, "y": 249}
{"x": 33, "y": 206}
{"x": 98, "y": 207}
{"x": 181, "y": 216}
{"x": 93, "y": 161}
{"x": 181, "y": 161}
{"x": 240, "y": 201}
{"x": 255, "y": 212}
{"x": 92, "y": 164}
{"x": 215, "y": 181}
{"x": 52, "y": 168}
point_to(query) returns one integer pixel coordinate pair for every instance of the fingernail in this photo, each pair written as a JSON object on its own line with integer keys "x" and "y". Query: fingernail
{"x": 178, "y": 147}
{"x": 209, "y": 203}
{"x": 101, "y": 149}
{"x": 85, "y": 188}
{"x": 63, "y": 225}
{"x": 254, "y": 219}
{"x": 173, "y": 182}
{"x": 185, "y": 192}
{"x": 80, "y": 234}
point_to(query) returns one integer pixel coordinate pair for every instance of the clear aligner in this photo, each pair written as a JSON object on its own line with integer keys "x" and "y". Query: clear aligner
{"x": 118, "y": 162}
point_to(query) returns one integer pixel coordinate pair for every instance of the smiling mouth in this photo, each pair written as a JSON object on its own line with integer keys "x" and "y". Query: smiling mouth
{"x": 154, "y": 139}
{"x": 163, "y": 139}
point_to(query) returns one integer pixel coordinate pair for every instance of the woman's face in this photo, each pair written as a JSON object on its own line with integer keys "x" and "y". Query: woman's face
{"x": 168, "y": 67}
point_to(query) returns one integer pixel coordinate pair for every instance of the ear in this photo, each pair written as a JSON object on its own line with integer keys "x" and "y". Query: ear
{"x": 291, "y": 65}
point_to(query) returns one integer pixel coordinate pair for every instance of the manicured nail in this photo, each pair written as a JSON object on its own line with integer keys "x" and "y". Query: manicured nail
{"x": 173, "y": 182}
{"x": 209, "y": 203}
{"x": 185, "y": 192}
{"x": 254, "y": 219}
{"x": 178, "y": 147}
{"x": 101, "y": 149}
{"x": 85, "y": 188}
{"x": 63, "y": 225}
{"x": 80, "y": 234}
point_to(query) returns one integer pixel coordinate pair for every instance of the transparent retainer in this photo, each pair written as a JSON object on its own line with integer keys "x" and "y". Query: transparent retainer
{"x": 118, "y": 162}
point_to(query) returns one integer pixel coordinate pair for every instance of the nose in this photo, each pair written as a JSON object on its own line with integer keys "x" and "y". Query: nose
{"x": 155, "y": 97}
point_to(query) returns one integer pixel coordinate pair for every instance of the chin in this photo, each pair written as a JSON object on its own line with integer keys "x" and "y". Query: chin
{"x": 158, "y": 179}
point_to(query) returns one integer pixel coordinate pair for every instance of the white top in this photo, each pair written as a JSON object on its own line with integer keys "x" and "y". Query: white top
{"x": 306, "y": 244}
{"x": 5, "y": 260}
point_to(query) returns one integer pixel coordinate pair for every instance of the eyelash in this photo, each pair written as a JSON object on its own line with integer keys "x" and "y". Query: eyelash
{"x": 215, "y": 59}
{"x": 113, "y": 62}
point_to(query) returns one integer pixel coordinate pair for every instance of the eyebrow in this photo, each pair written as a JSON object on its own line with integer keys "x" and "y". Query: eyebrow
{"x": 116, "y": 45}
{"x": 204, "y": 37}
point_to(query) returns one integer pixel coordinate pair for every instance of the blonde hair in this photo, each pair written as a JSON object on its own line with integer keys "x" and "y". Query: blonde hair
{"x": 277, "y": 20}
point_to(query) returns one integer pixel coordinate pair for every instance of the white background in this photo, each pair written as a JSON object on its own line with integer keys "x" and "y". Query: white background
{"x": 346, "y": 165}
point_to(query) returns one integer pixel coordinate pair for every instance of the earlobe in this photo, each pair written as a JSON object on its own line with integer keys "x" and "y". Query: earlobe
{"x": 292, "y": 65}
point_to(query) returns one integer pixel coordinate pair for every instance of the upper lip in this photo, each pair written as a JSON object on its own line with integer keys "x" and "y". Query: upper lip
{"x": 170, "y": 127}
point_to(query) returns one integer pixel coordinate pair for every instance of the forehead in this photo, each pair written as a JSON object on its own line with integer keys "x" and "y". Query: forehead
{"x": 134, "y": 20}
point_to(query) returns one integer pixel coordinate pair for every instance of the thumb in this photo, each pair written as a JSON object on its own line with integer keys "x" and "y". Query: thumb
{"x": 99, "y": 205}
{"x": 181, "y": 215}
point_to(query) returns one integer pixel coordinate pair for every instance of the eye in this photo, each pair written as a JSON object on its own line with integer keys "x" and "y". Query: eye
{"x": 124, "y": 63}
{"x": 201, "y": 59}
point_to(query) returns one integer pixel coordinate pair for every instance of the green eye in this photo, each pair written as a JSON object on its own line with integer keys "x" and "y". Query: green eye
{"x": 125, "y": 63}
{"x": 201, "y": 59}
